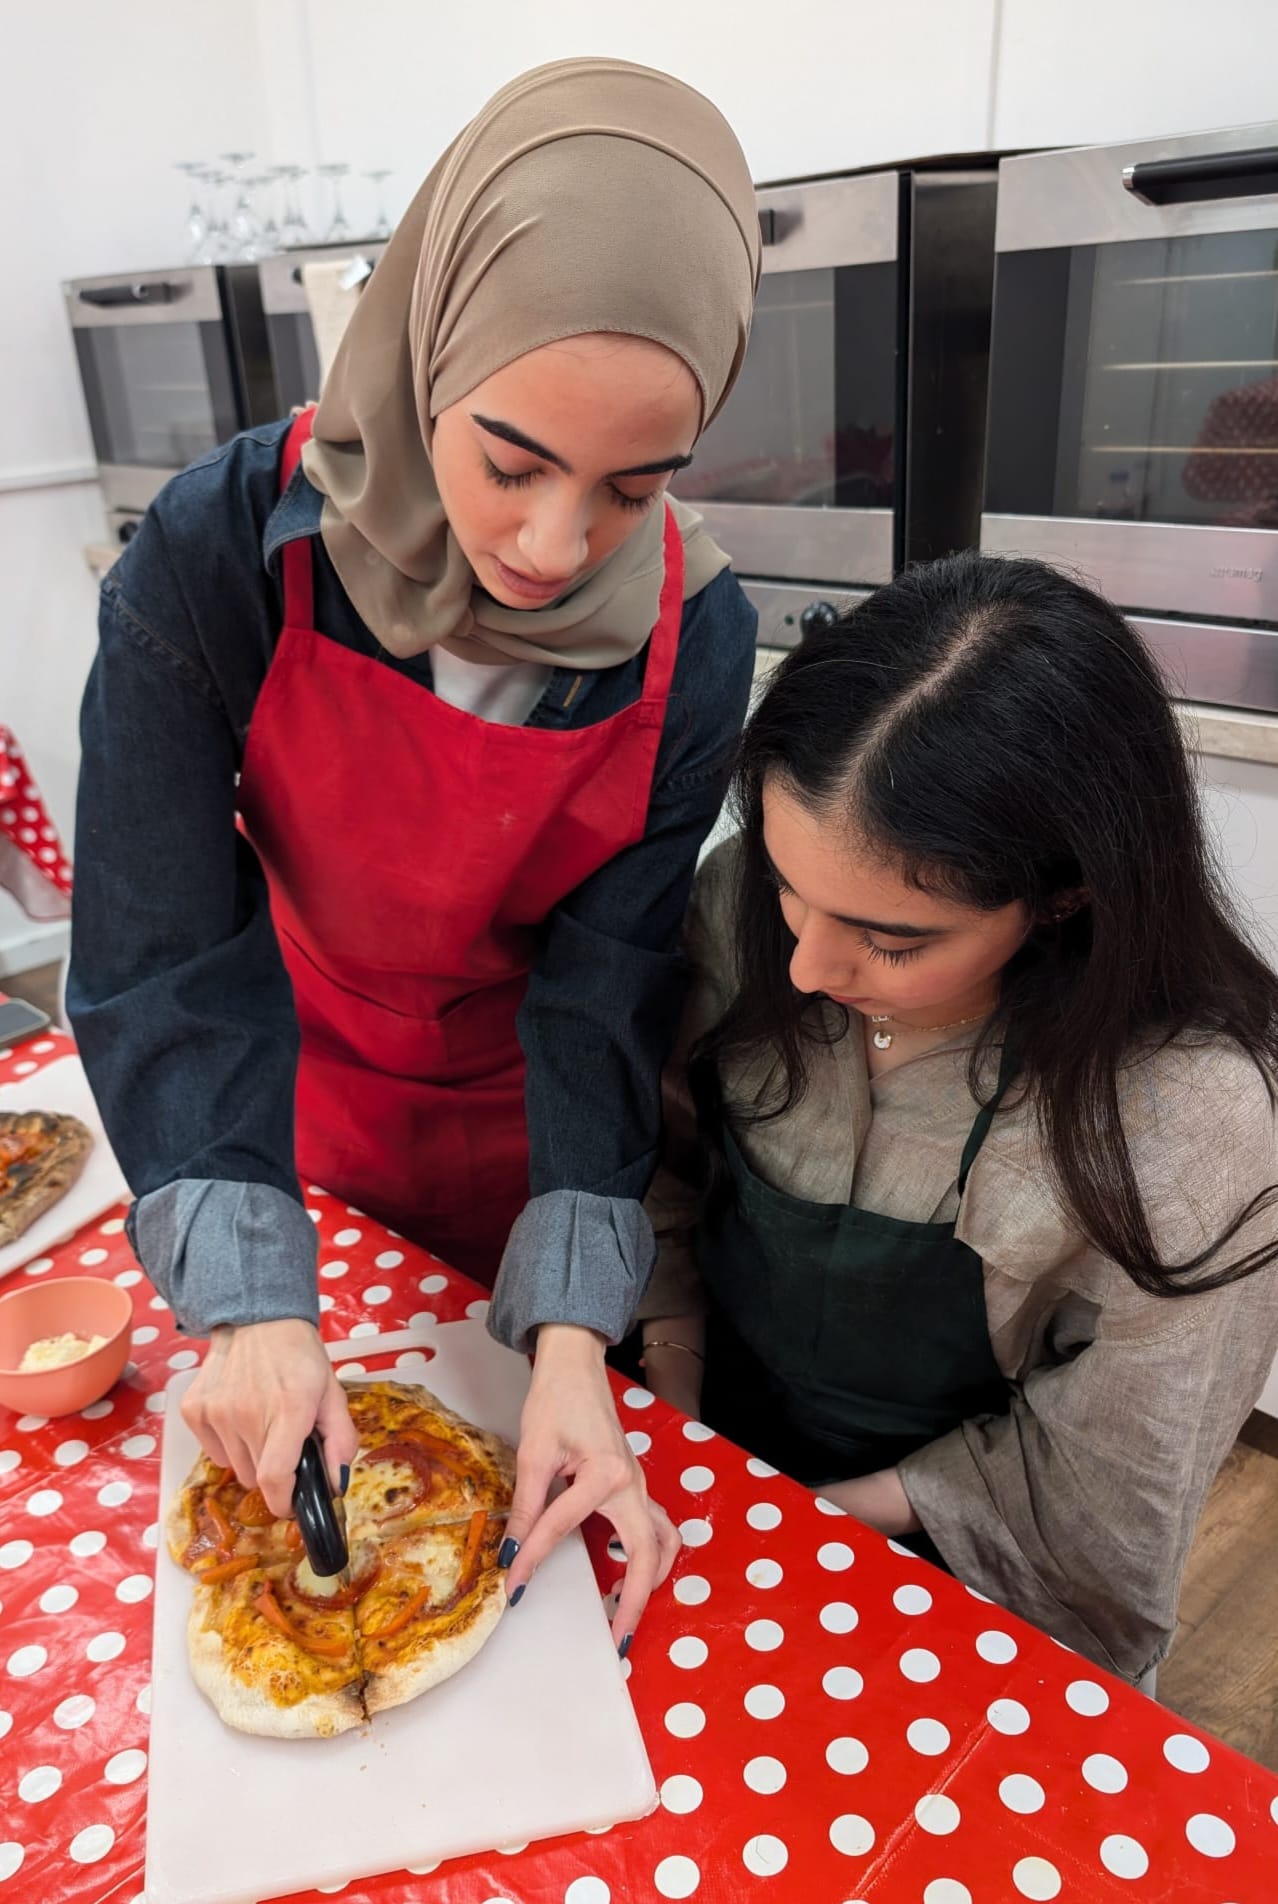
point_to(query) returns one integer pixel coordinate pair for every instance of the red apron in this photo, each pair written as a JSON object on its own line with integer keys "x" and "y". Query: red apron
{"x": 413, "y": 852}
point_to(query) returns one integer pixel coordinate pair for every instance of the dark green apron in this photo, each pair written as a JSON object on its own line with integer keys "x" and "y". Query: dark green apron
{"x": 839, "y": 1341}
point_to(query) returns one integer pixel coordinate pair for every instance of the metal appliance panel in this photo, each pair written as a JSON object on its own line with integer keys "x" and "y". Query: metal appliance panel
{"x": 1232, "y": 573}
{"x": 283, "y": 293}
{"x": 1211, "y": 662}
{"x": 188, "y": 296}
{"x": 781, "y": 607}
{"x": 844, "y": 545}
{"x": 830, "y": 222}
{"x": 131, "y": 486}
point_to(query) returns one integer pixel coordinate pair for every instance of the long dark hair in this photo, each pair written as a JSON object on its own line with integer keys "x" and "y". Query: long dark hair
{"x": 1000, "y": 732}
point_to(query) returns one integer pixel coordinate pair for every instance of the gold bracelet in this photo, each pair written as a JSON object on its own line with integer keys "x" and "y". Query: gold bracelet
{"x": 664, "y": 1344}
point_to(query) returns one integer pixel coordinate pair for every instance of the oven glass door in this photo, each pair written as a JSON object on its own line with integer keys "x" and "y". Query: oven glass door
{"x": 294, "y": 358}
{"x": 1138, "y": 382}
{"x": 812, "y": 421}
{"x": 158, "y": 395}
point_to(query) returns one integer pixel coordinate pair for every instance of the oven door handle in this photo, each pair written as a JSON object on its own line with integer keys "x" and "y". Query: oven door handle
{"x": 1205, "y": 176}
{"x": 108, "y": 296}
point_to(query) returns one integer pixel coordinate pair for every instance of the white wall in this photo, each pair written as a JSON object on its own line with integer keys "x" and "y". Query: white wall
{"x": 100, "y": 102}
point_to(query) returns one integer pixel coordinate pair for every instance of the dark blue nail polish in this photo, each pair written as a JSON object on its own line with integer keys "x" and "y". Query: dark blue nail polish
{"x": 518, "y": 1594}
{"x": 624, "y": 1648}
{"x": 506, "y": 1553}
{"x": 343, "y": 1478}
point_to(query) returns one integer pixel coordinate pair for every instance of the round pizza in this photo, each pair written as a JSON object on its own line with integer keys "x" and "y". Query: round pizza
{"x": 279, "y": 1650}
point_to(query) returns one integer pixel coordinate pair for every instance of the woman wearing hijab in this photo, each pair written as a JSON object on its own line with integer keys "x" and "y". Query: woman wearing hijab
{"x": 467, "y": 679}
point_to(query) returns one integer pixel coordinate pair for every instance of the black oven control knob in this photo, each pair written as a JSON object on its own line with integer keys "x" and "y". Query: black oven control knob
{"x": 817, "y": 615}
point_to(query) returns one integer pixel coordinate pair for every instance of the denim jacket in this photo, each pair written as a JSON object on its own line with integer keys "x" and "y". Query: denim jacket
{"x": 178, "y": 993}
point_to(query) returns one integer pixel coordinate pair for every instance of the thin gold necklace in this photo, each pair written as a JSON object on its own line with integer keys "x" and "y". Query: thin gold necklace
{"x": 883, "y": 1039}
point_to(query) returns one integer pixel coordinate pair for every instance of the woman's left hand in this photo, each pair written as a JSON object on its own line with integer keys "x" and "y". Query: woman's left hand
{"x": 877, "y": 1499}
{"x": 570, "y": 1429}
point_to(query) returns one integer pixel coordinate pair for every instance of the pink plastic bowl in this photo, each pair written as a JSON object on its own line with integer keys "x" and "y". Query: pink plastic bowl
{"x": 69, "y": 1305}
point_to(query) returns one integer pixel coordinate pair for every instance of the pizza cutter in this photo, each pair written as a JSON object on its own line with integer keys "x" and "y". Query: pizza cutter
{"x": 320, "y": 1519}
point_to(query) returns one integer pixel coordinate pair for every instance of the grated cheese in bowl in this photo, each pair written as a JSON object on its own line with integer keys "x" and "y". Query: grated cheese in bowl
{"x": 57, "y": 1351}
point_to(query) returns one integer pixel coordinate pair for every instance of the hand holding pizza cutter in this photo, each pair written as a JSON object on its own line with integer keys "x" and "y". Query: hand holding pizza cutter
{"x": 321, "y": 1519}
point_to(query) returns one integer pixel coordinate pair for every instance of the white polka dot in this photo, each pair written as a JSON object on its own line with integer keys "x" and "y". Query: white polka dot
{"x": 11, "y": 1856}
{"x": 43, "y": 1502}
{"x": 928, "y": 1737}
{"x": 58, "y": 1599}
{"x": 73, "y": 1712}
{"x": 676, "y": 1877}
{"x": 911, "y": 1599}
{"x": 764, "y": 1636}
{"x": 765, "y": 1855}
{"x": 835, "y": 1556}
{"x": 695, "y": 1533}
{"x": 697, "y": 1480}
{"x": 127, "y": 1279}
{"x": 331, "y": 1271}
{"x": 27, "y": 1660}
{"x": 1104, "y": 1774}
{"x": 638, "y": 1441}
{"x": 938, "y": 1814}
{"x": 697, "y": 1431}
{"x": 6, "y": 1723}
{"x": 946, "y": 1891}
{"x": 27, "y": 1424}
{"x": 325, "y": 1304}
{"x": 1210, "y": 1835}
{"x": 423, "y": 1319}
{"x": 15, "y": 1553}
{"x": 155, "y": 1404}
{"x": 67, "y": 1453}
{"x": 1084, "y": 1696}
{"x": 104, "y": 1646}
{"x": 1273, "y": 1809}
{"x": 478, "y": 1310}
{"x": 846, "y": 1755}
{"x": 760, "y": 1469}
{"x": 412, "y": 1362}
{"x": 1123, "y": 1857}
{"x": 147, "y": 1333}
{"x": 85, "y": 1545}
{"x": 685, "y": 1720}
{"x": 689, "y": 1652}
{"x": 136, "y": 1587}
{"x": 920, "y": 1665}
{"x": 24, "y": 1070}
{"x": 137, "y": 1447}
{"x": 765, "y": 1702}
{"x": 125, "y": 1767}
{"x": 377, "y": 1294}
{"x": 1037, "y": 1878}
{"x": 852, "y": 1835}
{"x": 143, "y": 1700}
{"x": 588, "y": 1890}
{"x": 158, "y": 1304}
{"x": 184, "y": 1358}
{"x": 765, "y": 1573}
{"x": 763, "y": 1516}
{"x": 344, "y": 1239}
{"x": 691, "y": 1589}
{"x": 92, "y": 1844}
{"x": 39, "y": 1266}
{"x": 431, "y": 1285}
{"x": 838, "y": 1617}
{"x": 681, "y": 1794}
{"x": 1185, "y": 1753}
{"x": 114, "y": 1494}
{"x": 114, "y": 1225}
{"x": 998, "y": 1648}
{"x": 842, "y": 1682}
{"x": 1008, "y": 1716}
{"x": 9, "y": 1460}
{"x": 1023, "y": 1794}
{"x": 765, "y": 1776}
{"x": 90, "y": 1258}
{"x": 96, "y": 1411}
{"x": 41, "y": 1782}
{"x": 363, "y": 1329}
{"x": 151, "y": 1536}
{"x": 388, "y": 1259}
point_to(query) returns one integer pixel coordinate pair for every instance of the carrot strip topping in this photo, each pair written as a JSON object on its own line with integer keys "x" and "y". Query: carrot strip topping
{"x": 225, "y": 1532}
{"x": 474, "y": 1535}
{"x": 398, "y": 1621}
{"x": 270, "y": 1609}
{"x": 226, "y": 1569}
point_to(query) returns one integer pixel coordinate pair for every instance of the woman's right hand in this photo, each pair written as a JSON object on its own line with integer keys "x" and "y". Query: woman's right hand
{"x": 262, "y": 1388}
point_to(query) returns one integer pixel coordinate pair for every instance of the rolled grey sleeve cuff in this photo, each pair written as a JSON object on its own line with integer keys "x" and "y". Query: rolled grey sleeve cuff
{"x": 572, "y": 1257}
{"x": 227, "y": 1253}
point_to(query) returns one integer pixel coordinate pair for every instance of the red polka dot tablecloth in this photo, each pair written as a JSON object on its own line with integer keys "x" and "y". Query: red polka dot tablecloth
{"x": 829, "y": 1720}
{"x": 33, "y": 866}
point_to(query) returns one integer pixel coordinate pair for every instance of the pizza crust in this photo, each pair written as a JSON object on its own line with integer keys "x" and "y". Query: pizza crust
{"x": 27, "y": 1190}
{"x": 317, "y": 1715}
{"x": 407, "y": 1679}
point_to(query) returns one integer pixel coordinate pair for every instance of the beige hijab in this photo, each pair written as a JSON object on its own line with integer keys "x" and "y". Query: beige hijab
{"x": 589, "y": 195}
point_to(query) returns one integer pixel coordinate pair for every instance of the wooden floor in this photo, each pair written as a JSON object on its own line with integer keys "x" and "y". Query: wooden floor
{"x": 1223, "y": 1670}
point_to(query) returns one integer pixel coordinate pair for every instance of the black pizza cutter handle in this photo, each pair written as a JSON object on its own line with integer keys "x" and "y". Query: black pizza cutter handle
{"x": 322, "y": 1534}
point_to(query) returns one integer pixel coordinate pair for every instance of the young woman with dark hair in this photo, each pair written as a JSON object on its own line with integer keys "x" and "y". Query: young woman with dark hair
{"x": 969, "y": 1208}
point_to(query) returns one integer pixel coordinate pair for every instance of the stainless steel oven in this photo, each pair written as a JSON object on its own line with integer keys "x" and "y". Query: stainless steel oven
{"x": 1133, "y": 420}
{"x": 852, "y": 442}
{"x": 172, "y": 364}
{"x": 295, "y": 366}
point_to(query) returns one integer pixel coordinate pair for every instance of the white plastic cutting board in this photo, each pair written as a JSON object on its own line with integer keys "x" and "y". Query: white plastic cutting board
{"x": 536, "y": 1736}
{"x": 63, "y": 1087}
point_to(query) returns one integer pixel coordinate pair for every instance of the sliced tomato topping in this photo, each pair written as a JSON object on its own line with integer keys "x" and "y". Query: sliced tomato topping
{"x": 270, "y": 1609}
{"x": 252, "y": 1511}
